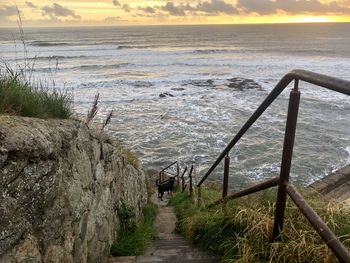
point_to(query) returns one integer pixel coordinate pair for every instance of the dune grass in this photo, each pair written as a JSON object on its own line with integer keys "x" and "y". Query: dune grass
{"x": 241, "y": 232}
{"x": 19, "y": 97}
{"x": 133, "y": 239}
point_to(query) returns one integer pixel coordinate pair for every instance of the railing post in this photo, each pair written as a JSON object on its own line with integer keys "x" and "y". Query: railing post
{"x": 199, "y": 198}
{"x": 287, "y": 155}
{"x": 226, "y": 174}
{"x": 190, "y": 176}
{"x": 177, "y": 174}
{"x": 183, "y": 180}
{"x": 160, "y": 178}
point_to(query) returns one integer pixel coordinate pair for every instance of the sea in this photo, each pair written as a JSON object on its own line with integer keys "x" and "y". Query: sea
{"x": 169, "y": 89}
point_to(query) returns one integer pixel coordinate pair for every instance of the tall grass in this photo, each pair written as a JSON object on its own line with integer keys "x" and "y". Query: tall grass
{"x": 20, "y": 97}
{"x": 241, "y": 232}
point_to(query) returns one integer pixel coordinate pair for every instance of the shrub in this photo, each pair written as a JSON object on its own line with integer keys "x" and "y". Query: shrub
{"x": 132, "y": 241}
{"x": 126, "y": 216}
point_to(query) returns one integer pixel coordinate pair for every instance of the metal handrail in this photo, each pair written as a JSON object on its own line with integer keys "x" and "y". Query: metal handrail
{"x": 161, "y": 173}
{"x": 331, "y": 83}
{"x": 166, "y": 168}
{"x": 284, "y": 186}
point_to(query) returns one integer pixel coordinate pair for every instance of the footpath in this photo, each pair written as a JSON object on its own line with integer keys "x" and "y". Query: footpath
{"x": 168, "y": 246}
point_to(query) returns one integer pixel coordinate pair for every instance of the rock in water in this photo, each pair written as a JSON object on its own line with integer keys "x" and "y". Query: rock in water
{"x": 60, "y": 187}
{"x": 243, "y": 84}
{"x": 166, "y": 94}
{"x": 200, "y": 83}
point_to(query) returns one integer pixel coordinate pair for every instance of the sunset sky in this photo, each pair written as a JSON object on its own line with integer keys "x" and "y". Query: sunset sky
{"x": 135, "y": 12}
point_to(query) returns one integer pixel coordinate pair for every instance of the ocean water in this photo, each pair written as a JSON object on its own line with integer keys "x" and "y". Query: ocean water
{"x": 131, "y": 66}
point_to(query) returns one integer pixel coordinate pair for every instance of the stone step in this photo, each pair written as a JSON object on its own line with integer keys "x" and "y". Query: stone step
{"x": 340, "y": 193}
{"x": 335, "y": 186}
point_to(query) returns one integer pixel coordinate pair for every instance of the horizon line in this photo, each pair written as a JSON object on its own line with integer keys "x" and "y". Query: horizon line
{"x": 198, "y": 24}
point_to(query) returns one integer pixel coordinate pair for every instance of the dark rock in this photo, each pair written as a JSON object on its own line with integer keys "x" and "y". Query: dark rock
{"x": 143, "y": 84}
{"x": 243, "y": 84}
{"x": 178, "y": 89}
{"x": 165, "y": 94}
{"x": 201, "y": 83}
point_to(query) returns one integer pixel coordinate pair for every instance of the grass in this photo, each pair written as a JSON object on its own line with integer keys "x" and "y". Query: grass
{"x": 242, "y": 231}
{"x": 19, "y": 97}
{"x": 128, "y": 155}
{"x": 132, "y": 240}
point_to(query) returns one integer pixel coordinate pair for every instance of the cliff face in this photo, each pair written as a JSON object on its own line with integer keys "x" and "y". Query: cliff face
{"x": 60, "y": 189}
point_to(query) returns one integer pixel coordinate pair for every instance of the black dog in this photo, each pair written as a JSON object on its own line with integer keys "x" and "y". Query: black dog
{"x": 166, "y": 186}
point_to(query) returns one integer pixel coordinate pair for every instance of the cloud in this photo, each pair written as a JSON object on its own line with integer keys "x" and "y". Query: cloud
{"x": 257, "y": 6}
{"x": 237, "y": 7}
{"x": 216, "y": 7}
{"x": 264, "y": 7}
{"x": 8, "y": 11}
{"x": 113, "y": 19}
{"x": 31, "y": 5}
{"x": 148, "y": 9}
{"x": 59, "y": 11}
{"x": 125, "y": 7}
{"x": 212, "y": 7}
{"x": 173, "y": 10}
{"x": 116, "y": 3}
{"x": 312, "y": 6}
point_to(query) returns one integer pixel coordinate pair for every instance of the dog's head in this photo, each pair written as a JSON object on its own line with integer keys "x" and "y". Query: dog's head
{"x": 172, "y": 178}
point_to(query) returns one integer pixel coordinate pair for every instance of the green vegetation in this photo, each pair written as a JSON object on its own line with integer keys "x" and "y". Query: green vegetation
{"x": 19, "y": 97}
{"x": 132, "y": 238}
{"x": 128, "y": 155}
{"x": 241, "y": 232}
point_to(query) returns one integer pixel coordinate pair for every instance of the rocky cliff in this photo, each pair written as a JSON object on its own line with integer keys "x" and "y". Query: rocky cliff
{"x": 60, "y": 189}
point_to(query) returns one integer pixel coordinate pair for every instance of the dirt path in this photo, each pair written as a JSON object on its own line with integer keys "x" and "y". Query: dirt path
{"x": 168, "y": 247}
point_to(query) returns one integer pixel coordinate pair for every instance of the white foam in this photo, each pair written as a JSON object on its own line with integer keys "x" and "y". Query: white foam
{"x": 196, "y": 123}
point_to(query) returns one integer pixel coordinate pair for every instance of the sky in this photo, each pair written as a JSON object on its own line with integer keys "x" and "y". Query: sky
{"x": 135, "y": 12}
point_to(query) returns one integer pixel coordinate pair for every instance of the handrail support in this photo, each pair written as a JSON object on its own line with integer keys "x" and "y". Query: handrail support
{"x": 226, "y": 175}
{"x": 287, "y": 155}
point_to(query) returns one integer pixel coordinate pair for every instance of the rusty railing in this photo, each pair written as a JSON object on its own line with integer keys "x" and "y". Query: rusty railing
{"x": 284, "y": 186}
{"x": 161, "y": 173}
{"x": 178, "y": 177}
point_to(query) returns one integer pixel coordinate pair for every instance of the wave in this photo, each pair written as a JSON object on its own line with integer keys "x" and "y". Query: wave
{"x": 48, "y": 44}
{"x": 58, "y": 57}
{"x": 96, "y": 67}
{"x": 137, "y": 46}
{"x": 210, "y": 51}
{"x": 97, "y": 43}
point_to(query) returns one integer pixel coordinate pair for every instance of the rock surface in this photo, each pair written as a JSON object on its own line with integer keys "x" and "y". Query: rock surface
{"x": 200, "y": 83}
{"x": 243, "y": 84}
{"x": 60, "y": 188}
